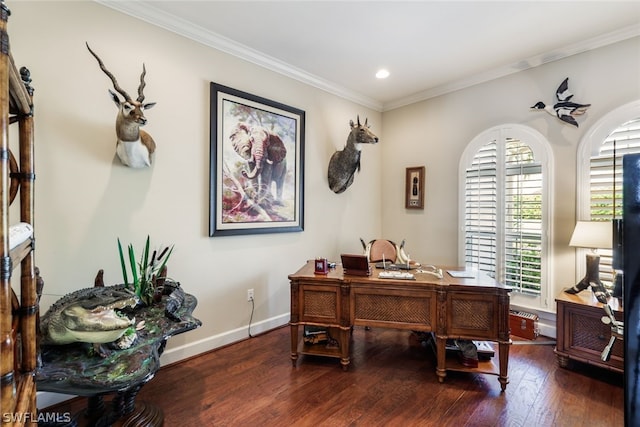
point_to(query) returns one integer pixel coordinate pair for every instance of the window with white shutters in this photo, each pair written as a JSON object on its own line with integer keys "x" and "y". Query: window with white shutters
{"x": 605, "y": 183}
{"x": 505, "y": 212}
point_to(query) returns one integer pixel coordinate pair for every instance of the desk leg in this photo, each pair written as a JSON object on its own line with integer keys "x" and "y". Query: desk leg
{"x": 294, "y": 344}
{"x": 503, "y": 350}
{"x": 441, "y": 354}
{"x": 345, "y": 338}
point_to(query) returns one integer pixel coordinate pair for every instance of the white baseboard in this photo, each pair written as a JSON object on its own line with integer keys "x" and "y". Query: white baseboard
{"x": 177, "y": 354}
{"x": 546, "y": 328}
{"x": 45, "y": 399}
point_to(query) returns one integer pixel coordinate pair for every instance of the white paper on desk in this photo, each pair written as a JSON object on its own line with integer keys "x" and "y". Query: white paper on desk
{"x": 462, "y": 274}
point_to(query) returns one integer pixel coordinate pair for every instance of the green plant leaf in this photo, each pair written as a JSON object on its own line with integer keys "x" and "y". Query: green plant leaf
{"x": 146, "y": 270}
{"x": 145, "y": 262}
{"x": 134, "y": 269}
{"x": 123, "y": 264}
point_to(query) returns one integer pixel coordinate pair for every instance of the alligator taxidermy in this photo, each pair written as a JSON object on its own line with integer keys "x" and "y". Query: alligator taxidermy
{"x": 91, "y": 315}
{"x": 102, "y": 315}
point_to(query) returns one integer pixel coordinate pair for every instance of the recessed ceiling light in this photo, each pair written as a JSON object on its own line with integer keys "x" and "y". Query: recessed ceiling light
{"x": 382, "y": 74}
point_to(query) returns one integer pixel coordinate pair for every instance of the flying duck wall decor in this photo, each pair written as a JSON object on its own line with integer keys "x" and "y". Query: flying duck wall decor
{"x": 564, "y": 108}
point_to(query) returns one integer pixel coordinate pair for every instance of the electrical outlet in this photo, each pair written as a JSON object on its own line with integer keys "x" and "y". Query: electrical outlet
{"x": 249, "y": 295}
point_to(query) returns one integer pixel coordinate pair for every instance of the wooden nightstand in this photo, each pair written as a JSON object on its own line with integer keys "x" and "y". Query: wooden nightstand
{"x": 581, "y": 335}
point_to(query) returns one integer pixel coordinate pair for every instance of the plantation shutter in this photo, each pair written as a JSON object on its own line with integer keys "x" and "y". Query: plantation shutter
{"x": 481, "y": 210}
{"x": 606, "y": 183}
{"x": 523, "y": 218}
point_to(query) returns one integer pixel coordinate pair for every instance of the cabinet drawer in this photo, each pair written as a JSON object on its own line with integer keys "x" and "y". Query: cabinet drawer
{"x": 399, "y": 309}
{"x": 320, "y": 304}
{"x": 588, "y": 334}
{"x": 472, "y": 315}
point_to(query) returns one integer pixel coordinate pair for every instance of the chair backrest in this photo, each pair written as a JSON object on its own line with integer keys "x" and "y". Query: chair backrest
{"x": 381, "y": 249}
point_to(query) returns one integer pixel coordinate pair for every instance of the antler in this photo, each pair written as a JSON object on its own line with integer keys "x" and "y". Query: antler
{"x": 366, "y": 121}
{"x": 142, "y": 84}
{"x": 115, "y": 82}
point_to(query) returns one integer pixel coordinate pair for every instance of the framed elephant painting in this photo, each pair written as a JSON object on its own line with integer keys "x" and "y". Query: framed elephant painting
{"x": 256, "y": 164}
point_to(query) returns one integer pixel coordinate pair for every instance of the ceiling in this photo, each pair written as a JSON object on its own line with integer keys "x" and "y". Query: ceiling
{"x": 429, "y": 47}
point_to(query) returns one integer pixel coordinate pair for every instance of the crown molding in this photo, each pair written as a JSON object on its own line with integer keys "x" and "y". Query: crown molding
{"x": 161, "y": 19}
{"x": 154, "y": 16}
{"x": 525, "y": 64}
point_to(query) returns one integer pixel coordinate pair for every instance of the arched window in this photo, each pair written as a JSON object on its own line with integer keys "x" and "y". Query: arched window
{"x": 504, "y": 209}
{"x": 599, "y": 168}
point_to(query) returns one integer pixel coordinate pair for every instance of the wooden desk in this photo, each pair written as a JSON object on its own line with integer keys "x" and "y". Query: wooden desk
{"x": 451, "y": 308}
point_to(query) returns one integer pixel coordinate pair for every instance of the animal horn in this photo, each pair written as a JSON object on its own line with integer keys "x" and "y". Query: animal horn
{"x": 366, "y": 122}
{"x": 358, "y": 119}
{"x": 142, "y": 84}
{"x": 111, "y": 76}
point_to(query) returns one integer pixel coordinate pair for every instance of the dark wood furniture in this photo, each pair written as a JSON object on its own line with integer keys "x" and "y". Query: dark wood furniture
{"x": 582, "y": 336}
{"x": 17, "y": 316}
{"x": 451, "y": 308}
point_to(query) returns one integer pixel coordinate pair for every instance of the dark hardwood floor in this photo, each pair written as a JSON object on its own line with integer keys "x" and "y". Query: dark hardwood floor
{"x": 391, "y": 382}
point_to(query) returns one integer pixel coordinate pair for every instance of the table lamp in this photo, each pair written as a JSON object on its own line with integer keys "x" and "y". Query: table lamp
{"x": 593, "y": 235}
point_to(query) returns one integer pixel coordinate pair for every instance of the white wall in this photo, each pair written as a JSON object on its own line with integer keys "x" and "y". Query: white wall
{"x": 85, "y": 199}
{"x": 435, "y": 132}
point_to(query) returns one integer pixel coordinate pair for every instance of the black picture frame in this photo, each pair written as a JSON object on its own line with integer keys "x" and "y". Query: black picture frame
{"x": 256, "y": 164}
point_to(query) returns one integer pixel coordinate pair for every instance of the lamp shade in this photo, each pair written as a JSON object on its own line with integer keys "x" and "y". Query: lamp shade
{"x": 592, "y": 234}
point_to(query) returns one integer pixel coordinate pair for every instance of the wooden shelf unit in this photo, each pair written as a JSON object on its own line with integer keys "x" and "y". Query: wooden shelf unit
{"x": 321, "y": 349}
{"x": 488, "y": 366}
{"x": 18, "y": 317}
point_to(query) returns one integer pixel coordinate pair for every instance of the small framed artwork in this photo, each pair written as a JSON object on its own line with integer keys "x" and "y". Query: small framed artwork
{"x": 414, "y": 188}
{"x": 256, "y": 165}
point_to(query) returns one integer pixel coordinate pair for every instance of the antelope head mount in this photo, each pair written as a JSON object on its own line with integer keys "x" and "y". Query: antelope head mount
{"x": 134, "y": 146}
{"x": 344, "y": 164}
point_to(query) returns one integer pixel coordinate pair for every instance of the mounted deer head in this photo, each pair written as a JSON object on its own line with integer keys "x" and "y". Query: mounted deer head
{"x": 344, "y": 164}
{"x": 134, "y": 146}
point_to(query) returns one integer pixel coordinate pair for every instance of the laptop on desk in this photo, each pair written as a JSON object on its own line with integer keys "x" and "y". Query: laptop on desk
{"x": 356, "y": 265}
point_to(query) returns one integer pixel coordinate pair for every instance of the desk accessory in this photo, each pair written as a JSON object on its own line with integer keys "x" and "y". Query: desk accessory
{"x": 462, "y": 274}
{"x": 396, "y": 275}
{"x": 388, "y": 265}
{"x": 355, "y": 265}
{"x": 321, "y": 266}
